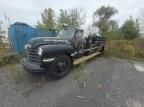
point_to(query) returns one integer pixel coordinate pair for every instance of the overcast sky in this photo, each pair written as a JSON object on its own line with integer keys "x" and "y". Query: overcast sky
{"x": 29, "y": 10}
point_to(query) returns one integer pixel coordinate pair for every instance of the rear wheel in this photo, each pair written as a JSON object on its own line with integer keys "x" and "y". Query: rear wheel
{"x": 60, "y": 67}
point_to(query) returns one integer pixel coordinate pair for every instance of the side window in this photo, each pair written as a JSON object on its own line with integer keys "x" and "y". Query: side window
{"x": 79, "y": 34}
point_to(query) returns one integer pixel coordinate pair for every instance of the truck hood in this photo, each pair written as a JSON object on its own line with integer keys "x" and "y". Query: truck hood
{"x": 35, "y": 42}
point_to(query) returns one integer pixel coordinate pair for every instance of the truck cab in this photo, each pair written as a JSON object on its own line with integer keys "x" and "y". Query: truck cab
{"x": 75, "y": 37}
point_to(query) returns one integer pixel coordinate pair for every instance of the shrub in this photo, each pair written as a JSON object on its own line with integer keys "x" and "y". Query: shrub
{"x": 10, "y": 59}
{"x": 126, "y": 48}
{"x": 130, "y": 29}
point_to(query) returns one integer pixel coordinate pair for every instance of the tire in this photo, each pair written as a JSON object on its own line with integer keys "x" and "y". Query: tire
{"x": 60, "y": 67}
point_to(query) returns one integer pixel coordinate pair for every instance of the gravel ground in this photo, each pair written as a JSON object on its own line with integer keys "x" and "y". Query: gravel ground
{"x": 105, "y": 82}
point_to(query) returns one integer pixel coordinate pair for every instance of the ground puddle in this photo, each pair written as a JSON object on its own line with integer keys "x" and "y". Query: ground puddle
{"x": 139, "y": 67}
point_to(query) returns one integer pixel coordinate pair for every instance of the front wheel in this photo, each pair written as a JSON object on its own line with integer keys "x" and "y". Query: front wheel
{"x": 60, "y": 67}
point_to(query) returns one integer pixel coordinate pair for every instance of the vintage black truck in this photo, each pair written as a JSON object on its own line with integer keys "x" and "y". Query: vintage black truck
{"x": 56, "y": 55}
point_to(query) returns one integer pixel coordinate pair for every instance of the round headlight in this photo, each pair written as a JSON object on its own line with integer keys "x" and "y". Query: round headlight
{"x": 40, "y": 51}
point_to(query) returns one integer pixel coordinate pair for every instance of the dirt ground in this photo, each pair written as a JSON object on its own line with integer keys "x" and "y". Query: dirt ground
{"x": 103, "y": 82}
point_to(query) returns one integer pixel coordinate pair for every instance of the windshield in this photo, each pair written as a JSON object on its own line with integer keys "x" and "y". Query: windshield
{"x": 67, "y": 33}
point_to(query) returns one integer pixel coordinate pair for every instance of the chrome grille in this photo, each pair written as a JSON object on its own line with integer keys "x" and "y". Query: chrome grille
{"x": 32, "y": 56}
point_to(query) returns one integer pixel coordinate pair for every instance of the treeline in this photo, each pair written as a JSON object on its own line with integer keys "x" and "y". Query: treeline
{"x": 2, "y": 36}
{"x": 102, "y": 22}
{"x": 72, "y": 17}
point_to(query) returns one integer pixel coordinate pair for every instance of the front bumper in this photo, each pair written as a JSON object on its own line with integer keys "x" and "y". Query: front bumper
{"x": 31, "y": 67}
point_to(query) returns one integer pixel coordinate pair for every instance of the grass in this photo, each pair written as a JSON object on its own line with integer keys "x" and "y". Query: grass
{"x": 6, "y": 58}
{"x": 79, "y": 75}
{"x": 26, "y": 92}
{"x": 10, "y": 62}
{"x": 3, "y": 52}
{"x": 15, "y": 73}
{"x": 129, "y": 49}
{"x": 78, "y": 71}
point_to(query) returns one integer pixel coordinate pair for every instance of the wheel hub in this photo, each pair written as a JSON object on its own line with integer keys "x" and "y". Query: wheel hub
{"x": 62, "y": 66}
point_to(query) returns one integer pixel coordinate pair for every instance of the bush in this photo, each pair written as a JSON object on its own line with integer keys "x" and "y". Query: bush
{"x": 113, "y": 35}
{"x": 126, "y": 48}
{"x": 139, "y": 45}
{"x": 9, "y": 59}
{"x": 130, "y": 29}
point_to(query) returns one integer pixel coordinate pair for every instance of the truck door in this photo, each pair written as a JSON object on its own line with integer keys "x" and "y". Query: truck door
{"x": 79, "y": 41}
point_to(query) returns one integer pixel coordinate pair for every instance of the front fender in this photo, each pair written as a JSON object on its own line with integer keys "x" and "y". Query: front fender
{"x": 55, "y": 50}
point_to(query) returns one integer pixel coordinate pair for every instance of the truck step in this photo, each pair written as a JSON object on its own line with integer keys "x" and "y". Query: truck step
{"x": 84, "y": 58}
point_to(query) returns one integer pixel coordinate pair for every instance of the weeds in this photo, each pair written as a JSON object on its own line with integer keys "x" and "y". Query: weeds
{"x": 11, "y": 59}
{"x": 79, "y": 75}
{"x": 7, "y": 58}
{"x": 3, "y": 52}
{"x": 15, "y": 73}
{"x": 26, "y": 92}
{"x": 78, "y": 71}
{"x": 131, "y": 49}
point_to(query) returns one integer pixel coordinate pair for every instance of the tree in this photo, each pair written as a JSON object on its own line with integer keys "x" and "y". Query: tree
{"x": 92, "y": 30}
{"x": 1, "y": 36}
{"x": 72, "y": 17}
{"x": 113, "y": 26}
{"x": 48, "y": 21}
{"x": 102, "y": 18}
{"x": 64, "y": 18}
{"x": 130, "y": 29}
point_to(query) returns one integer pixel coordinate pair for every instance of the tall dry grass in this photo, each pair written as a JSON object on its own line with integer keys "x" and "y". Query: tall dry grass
{"x": 7, "y": 58}
{"x": 3, "y": 53}
{"x": 126, "y": 48}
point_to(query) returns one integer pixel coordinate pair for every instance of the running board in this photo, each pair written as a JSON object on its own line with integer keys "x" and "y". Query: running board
{"x": 84, "y": 58}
